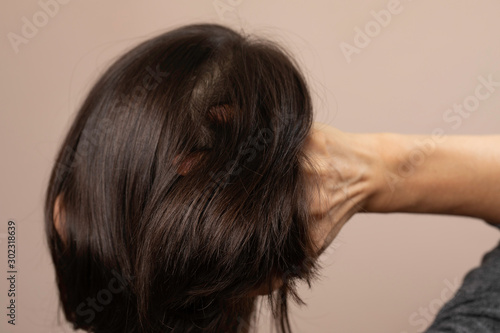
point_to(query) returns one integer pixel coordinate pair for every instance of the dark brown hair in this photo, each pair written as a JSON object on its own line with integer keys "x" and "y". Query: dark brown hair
{"x": 182, "y": 189}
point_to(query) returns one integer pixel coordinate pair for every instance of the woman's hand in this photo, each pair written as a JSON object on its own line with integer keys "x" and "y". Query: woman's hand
{"x": 345, "y": 172}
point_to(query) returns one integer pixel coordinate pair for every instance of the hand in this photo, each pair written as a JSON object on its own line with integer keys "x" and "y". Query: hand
{"x": 344, "y": 173}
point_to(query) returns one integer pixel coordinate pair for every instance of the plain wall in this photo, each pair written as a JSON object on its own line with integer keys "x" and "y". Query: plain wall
{"x": 385, "y": 272}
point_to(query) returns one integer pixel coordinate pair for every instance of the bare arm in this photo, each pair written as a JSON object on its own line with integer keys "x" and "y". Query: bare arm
{"x": 457, "y": 175}
{"x": 386, "y": 172}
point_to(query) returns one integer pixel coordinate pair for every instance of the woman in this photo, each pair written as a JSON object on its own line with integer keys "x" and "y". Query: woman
{"x": 193, "y": 180}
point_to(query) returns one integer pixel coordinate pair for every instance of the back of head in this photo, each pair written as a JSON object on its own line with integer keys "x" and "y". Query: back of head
{"x": 181, "y": 187}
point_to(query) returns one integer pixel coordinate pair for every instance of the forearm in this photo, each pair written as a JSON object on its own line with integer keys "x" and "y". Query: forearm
{"x": 457, "y": 175}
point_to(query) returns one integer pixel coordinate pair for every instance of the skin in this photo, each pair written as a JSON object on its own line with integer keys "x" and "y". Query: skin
{"x": 388, "y": 172}
{"x": 342, "y": 178}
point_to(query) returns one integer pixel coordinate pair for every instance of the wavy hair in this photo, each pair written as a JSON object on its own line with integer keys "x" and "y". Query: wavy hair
{"x": 180, "y": 190}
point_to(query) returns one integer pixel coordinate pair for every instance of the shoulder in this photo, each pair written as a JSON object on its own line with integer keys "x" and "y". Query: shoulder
{"x": 476, "y": 305}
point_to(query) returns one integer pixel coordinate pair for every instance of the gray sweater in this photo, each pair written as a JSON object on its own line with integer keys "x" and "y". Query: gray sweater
{"x": 475, "y": 307}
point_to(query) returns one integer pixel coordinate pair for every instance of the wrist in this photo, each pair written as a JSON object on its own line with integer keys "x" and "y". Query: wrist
{"x": 388, "y": 176}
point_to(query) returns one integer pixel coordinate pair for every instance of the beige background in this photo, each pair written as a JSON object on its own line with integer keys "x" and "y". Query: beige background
{"x": 384, "y": 272}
